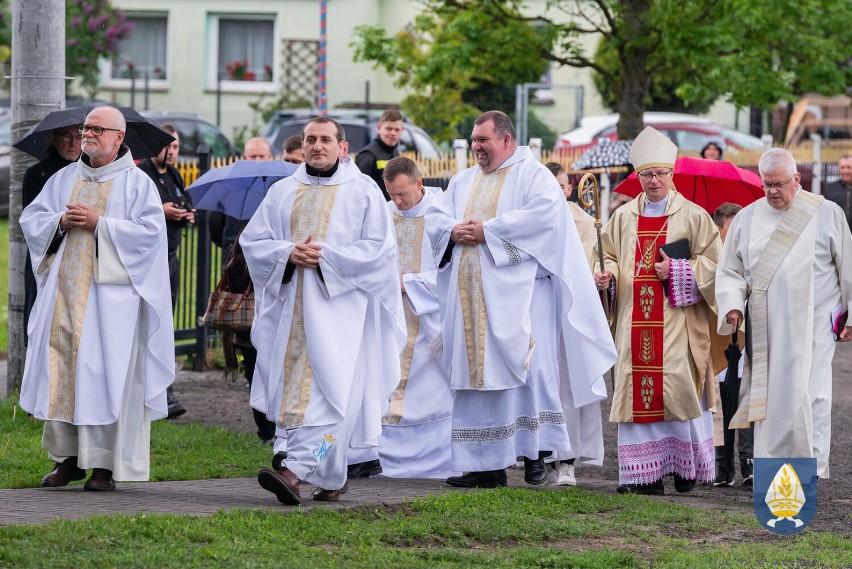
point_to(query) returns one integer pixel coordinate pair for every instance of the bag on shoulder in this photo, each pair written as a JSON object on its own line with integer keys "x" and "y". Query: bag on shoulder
{"x": 227, "y": 310}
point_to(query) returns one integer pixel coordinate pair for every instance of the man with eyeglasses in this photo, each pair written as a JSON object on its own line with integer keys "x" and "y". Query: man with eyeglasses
{"x": 664, "y": 377}
{"x": 787, "y": 266}
{"x": 101, "y": 346}
{"x": 64, "y": 149}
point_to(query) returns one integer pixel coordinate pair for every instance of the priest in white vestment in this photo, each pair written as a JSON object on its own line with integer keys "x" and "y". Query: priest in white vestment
{"x": 664, "y": 379}
{"x": 787, "y": 265}
{"x": 101, "y": 342}
{"x": 416, "y": 429}
{"x": 518, "y": 314}
{"x": 328, "y": 325}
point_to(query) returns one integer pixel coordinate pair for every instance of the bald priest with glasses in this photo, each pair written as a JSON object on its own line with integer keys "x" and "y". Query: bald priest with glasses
{"x": 787, "y": 268}
{"x": 660, "y": 252}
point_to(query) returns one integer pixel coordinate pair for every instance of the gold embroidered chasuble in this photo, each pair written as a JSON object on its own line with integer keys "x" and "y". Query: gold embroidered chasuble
{"x": 74, "y": 282}
{"x": 481, "y": 205}
{"x": 687, "y": 366}
{"x": 310, "y": 215}
{"x": 409, "y": 238}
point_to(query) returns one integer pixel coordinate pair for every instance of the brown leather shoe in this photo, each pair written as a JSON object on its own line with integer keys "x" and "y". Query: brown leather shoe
{"x": 100, "y": 481}
{"x": 323, "y": 495}
{"x": 281, "y": 482}
{"x": 63, "y": 473}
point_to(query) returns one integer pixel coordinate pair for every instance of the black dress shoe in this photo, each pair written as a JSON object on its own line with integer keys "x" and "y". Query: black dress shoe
{"x": 63, "y": 473}
{"x": 535, "y": 471}
{"x": 364, "y": 469}
{"x": 683, "y": 484}
{"x": 100, "y": 481}
{"x": 484, "y": 479}
{"x": 176, "y": 408}
{"x": 654, "y": 489}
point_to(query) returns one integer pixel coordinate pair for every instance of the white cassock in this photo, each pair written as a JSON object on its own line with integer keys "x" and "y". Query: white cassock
{"x": 515, "y": 319}
{"x": 813, "y": 278}
{"x": 101, "y": 342}
{"x": 328, "y": 340}
{"x": 415, "y": 441}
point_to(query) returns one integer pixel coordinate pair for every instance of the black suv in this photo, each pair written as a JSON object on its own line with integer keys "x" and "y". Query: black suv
{"x": 360, "y": 129}
{"x": 194, "y": 130}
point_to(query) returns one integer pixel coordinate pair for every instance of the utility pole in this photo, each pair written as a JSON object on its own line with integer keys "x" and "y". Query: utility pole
{"x": 38, "y": 87}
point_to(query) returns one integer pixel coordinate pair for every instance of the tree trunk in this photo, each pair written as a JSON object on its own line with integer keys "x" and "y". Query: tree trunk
{"x": 635, "y": 80}
{"x": 38, "y": 87}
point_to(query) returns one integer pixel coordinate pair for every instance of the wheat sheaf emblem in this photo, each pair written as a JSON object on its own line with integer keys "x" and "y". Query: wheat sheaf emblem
{"x": 647, "y": 390}
{"x": 646, "y": 350}
{"x": 646, "y": 300}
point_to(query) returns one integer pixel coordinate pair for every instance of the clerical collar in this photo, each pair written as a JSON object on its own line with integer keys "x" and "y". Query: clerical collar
{"x": 414, "y": 210}
{"x": 311, "y": 171}
{"x": 655, "y": 209}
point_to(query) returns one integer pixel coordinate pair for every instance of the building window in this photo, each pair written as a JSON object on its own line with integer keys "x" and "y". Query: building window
{"x": 143, "y": 52}
{"x": 245, "y": 51}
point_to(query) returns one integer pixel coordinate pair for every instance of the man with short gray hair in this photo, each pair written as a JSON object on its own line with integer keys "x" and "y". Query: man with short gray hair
{"x": 787, "y": 266}
{"x": 101, "y": 349}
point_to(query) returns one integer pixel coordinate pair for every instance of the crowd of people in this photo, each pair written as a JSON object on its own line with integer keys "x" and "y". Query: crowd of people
{"x": 415, "y": 332}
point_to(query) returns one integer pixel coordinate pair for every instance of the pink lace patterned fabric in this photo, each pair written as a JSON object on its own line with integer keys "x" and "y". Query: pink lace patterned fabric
{"x": 646, "y": 463}
{"x": 683, "y": 291}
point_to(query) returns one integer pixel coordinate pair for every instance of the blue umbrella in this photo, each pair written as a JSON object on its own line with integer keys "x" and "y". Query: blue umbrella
{"x": 237, "y": 189}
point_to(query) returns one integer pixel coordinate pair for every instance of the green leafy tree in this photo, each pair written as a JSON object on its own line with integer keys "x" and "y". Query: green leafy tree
{"x": 455, "y": 62}
{"x": 654, "y": 52}
{"x": 92, "y": 33}
{"x": 93, "y": 29}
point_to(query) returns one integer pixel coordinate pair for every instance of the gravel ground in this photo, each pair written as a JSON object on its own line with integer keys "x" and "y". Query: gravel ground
{"x": 214, "y": 401}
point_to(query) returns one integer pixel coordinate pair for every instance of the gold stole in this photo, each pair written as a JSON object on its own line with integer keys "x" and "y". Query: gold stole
{"x": 72, "y": 295}
{"x": 409, "y": 238}
{"x": 310, "y": 215}
{"x": 481, "y": 205}
{"x": 796, "y": 218}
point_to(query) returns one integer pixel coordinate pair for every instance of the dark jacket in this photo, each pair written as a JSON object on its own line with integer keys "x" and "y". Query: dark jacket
{"x": 842, "y": 196}
{"x": 37, "y": 176}
{"x": 180, "y": 198}
{"x": 372, "y": 158}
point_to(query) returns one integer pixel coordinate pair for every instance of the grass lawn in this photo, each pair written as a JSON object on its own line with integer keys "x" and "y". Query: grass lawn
{"x": 506, "y": 528}
{"x": 178, "y": 452}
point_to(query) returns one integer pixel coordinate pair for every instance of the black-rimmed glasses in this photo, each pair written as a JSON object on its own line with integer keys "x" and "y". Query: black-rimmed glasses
{"x": 96, "y": 130}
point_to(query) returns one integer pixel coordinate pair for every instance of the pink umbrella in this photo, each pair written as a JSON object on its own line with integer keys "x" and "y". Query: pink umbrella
{"x": 708, "y": 183}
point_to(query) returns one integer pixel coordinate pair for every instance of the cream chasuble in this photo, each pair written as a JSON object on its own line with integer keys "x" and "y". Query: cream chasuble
{"x": 317, "y": 329}
{"x": 687, "y": 367}
{"x": 71, "y": 298}
{"x": 494, "y": 295}
{"x": 814, "y": 277}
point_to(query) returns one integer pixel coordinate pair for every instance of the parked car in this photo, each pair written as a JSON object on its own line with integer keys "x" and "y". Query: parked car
{"x": 194, "y": 130}
{"x": 360, "y": 129}
{"x": 688, "y": 132}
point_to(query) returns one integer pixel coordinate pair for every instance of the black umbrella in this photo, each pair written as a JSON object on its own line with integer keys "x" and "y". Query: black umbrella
{"x": 143, "y": 137}
{"x": 730, "y": 393}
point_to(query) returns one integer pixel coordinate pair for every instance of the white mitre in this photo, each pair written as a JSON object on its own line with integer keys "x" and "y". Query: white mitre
{"x": 652, "y": 149}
